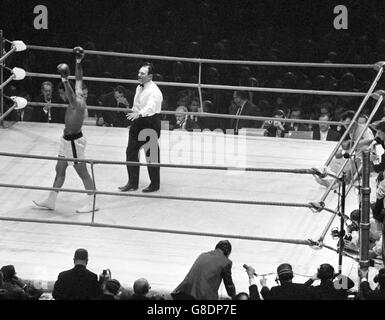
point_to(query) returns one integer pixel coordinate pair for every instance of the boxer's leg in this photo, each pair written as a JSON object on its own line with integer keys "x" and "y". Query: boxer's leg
{"x": 83, "y": 173}
{"x": 50, "y": 201}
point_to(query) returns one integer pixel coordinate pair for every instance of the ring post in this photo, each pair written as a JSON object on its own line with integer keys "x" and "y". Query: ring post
{"x": 342, "y": 231}
{"x": 358, "y": 112}
{"x": 94, "y": 200}
{"x": 365, "y": 209}
{"x": 1, "y": 74}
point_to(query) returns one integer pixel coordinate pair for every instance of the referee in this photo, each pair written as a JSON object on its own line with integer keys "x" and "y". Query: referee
{"x": 144, "y": 130}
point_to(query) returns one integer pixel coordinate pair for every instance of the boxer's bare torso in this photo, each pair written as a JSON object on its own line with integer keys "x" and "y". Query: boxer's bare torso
{"x": 74, "y": 116}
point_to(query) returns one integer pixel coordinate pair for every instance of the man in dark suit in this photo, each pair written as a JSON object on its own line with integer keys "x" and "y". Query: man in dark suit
{"x": 207, "y": 123}
{"x": 115, "y": 99}
{"x": 329, "y": 289}
{"x": 43, "y": 114}
{"x": 296, "y": 113}
{"x": 243, "y": 107}
{"x": 141, "y": 289}
{"x": 183, "y": 122}
{"x": 287, "y": 290}
{"x": 58, "y": 114}
{"x": 324, "y": 132}
{"x": 204, "y": 278}
{"x": 77, "y": 283}
{"x": 366, "y": 293}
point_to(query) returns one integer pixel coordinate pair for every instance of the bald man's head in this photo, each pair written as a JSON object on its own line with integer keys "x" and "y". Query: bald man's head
{"x": 141, "y": 287}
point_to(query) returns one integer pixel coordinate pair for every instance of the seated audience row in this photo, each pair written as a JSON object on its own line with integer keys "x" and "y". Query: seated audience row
{"x": 201, "y": 283}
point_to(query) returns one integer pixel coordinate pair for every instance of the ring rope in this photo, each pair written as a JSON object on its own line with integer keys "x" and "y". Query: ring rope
{"x": 198, "y": 114}
{"x": 153, "y": 196}
{"x": 185, "y": 232}
{"x": 211, "y": 61}
{"x": 377, "y": 66}
{"x": 208, "y": 86}
{"x": 166, "y": 165}
{"x": 343, "y": 252}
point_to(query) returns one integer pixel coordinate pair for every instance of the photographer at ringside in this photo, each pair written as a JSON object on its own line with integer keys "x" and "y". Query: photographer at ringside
{"x": 332, "y": 286}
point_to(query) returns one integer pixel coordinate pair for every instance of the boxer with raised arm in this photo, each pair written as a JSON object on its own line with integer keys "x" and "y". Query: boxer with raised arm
{"x": 72, "y": 144}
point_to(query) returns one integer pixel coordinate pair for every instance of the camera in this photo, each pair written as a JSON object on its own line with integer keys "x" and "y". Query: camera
{"x": 104, "y": 276}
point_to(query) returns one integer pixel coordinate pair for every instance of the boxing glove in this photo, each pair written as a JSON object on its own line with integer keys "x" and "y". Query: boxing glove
{"x": 79, "y": 53}
{"x": 64, "y": 70}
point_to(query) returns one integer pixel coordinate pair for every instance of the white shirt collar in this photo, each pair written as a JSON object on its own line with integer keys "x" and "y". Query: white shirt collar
{"x": 323, "y": 135}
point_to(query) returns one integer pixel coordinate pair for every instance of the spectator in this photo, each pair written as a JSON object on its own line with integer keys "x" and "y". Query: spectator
{"x": 296, "y": 113}
{"x": 351, "y": 240}
{"x": 43, "y": 114}
{"x": 329, "y": 290}
{"x": 157, "y": 296}
{"x": 194, "y": 107}
{"x": 253, "y": 288}
{"x": 243, "y": 107}
{"x": 362, "y": 119}
{"x": 287, "y": 290}
{"x": 366, "y": 139}
{"x": 204, "y": 278}
{"x": 325, "y": 109}
{"x": 2, "y": 290}
{"x": 241, "y": 296}
{"x": 77, "y": 283}
{"x": 15, "y": 288}
{"x": 366, "y": 292}
{"x": 58, "y": 113}
{"x": 141, "y": 289}
{"x": 378, "y": 207}
{"x": 115, "y": 99}
{"x": 25, "y": 114}
{"x": 324, "y": 132}
{"x": 124, "y": 294}
{"x": 276, "y": 128}
{"x": 183, "y": 122}
{"x": 207, "y": 122}
{"x": 91, "y": 100}
{"x": 110, "y": 290}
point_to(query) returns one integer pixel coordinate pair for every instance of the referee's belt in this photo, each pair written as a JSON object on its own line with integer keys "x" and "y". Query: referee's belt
{"x": 73, "y": 136}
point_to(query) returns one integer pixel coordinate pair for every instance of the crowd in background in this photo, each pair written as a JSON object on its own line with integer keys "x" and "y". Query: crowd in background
{"x": 253, "y": 31}
{"x": 236, "y": 30}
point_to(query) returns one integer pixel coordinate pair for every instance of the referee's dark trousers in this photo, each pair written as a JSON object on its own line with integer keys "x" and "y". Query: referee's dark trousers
{"x": 134, "y": 145}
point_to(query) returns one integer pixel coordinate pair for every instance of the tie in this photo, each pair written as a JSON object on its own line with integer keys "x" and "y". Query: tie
{"x": 141, "y": 85}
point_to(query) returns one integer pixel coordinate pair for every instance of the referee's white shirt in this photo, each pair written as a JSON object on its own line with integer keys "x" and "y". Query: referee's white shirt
{"x": 148, "y": 99}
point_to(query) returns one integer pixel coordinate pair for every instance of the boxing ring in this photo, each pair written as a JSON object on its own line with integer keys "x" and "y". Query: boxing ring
{"x": 258, "y": 192}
